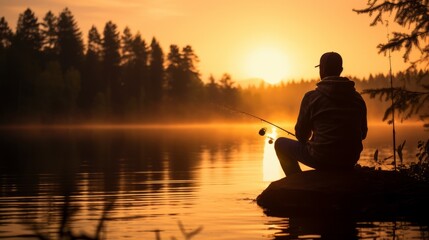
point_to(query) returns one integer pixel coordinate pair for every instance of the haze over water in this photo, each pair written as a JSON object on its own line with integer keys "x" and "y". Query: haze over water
{"x": 149, "y": 179}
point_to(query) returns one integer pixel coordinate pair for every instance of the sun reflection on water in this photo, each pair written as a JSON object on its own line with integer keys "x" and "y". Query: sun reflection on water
{"x": 271, "y": 166}
{"x": 272, "y": 169}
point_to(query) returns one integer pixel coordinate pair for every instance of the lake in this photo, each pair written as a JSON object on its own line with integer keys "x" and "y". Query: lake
{"x": 159, "y": 182}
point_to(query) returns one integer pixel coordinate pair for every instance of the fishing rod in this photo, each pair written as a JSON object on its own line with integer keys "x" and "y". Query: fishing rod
{"x": 263, "y": 130}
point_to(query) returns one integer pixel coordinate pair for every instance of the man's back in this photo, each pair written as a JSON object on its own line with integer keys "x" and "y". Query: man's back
{"x": 334, "y": 115}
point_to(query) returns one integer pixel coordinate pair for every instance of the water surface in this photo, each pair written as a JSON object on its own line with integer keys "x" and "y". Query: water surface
{"x": 144, "y": 181}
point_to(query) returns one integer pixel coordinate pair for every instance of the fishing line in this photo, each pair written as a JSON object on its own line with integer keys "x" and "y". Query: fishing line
{"x": 263, "y": 130}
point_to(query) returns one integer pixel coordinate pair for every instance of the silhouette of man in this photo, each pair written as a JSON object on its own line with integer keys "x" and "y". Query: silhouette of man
{"x": 331, "y": 124}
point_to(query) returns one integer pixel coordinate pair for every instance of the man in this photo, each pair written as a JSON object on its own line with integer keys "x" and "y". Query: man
{"x": 331, "y": 124}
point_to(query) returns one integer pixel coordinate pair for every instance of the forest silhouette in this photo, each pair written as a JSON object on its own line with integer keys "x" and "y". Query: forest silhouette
{"x": 48, "y": 75}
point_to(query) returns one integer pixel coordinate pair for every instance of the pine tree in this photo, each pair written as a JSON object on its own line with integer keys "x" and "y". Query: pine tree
{"x": 94, "y": 43}
{"x": 212, "y": 89}
{"x": 27, "y": 34}
{"x": 183, "y": 79}
{"x": 70, "y": 43}
{"x": 6, "y": 34}
{"x": 156, "y": 72}
{"x": 129, "y": 72}
{"x": 110, "y": 54}
{"x": 49, "y": 33}
{"x": 24, "y": 64}
{"x": 192, "y": 80}
{"x": 127, "y": 46}
{"x": 111, "y": 66}
{"x": 140, "y": 72}
{"x": 228, "y": 91}
{"x": 91, "y": 73}
{"x": 175, "y": 76}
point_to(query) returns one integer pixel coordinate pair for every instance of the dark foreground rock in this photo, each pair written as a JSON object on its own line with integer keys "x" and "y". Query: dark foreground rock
{"x": 360, "y": 193}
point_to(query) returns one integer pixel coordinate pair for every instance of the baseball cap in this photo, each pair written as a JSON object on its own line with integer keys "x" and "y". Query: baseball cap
{"x": 331, "y": 60}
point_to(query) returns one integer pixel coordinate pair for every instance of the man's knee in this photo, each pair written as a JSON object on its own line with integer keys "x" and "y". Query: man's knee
{"x": 279, "y": 143}
{"x": 288, "y": 147}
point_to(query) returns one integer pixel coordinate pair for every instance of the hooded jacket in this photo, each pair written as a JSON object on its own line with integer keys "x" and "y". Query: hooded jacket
{"x": 332, "y": 122}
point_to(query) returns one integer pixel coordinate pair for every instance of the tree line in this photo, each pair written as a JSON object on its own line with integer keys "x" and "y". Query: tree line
{"x": 49, "y": 75}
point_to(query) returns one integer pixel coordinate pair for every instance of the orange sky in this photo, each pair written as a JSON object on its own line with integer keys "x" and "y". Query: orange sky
{"x": 246, "y": 38}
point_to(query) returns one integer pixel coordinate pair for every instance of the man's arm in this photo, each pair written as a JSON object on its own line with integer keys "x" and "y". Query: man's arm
{"x": 364, "y": 127}
{"x": 303, "y": 125}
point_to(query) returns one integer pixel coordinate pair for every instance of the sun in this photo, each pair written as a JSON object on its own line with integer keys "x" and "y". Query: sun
{"x": 267, "y": 63}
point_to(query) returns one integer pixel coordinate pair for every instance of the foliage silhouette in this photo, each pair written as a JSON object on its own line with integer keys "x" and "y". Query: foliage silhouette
{"x": 406, "y": 102}
{"x": 413, "y": 14}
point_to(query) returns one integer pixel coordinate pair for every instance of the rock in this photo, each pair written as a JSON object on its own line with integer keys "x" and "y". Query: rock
{"x": 361, "y": 193}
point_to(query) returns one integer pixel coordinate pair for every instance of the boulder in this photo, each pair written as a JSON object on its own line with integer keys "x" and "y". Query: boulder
{"x": 360, "y": 193}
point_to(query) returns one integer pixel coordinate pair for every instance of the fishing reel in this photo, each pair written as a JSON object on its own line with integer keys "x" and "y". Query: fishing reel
{"x": 262, "y": 132}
